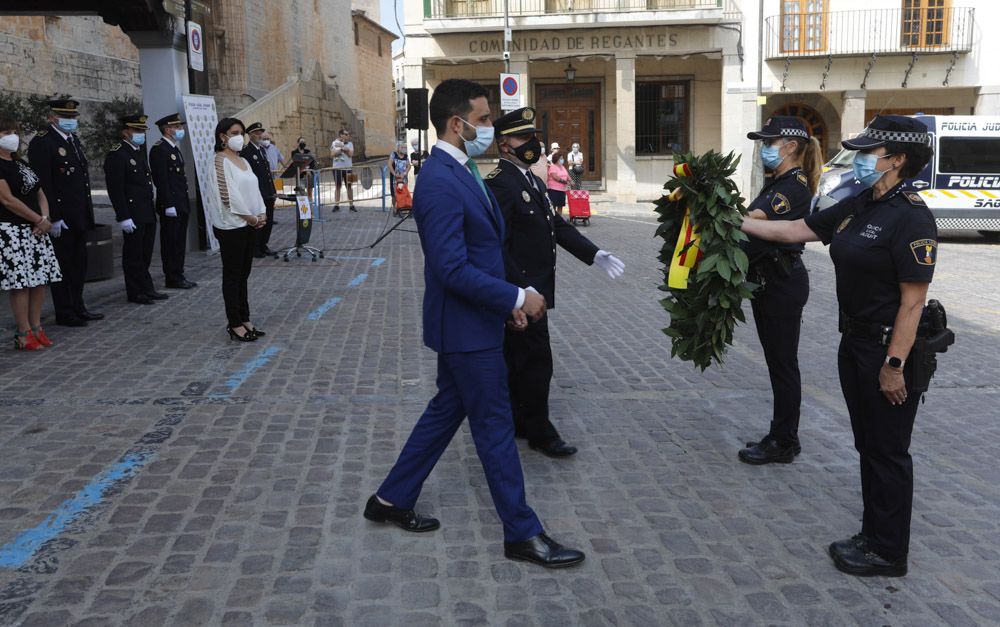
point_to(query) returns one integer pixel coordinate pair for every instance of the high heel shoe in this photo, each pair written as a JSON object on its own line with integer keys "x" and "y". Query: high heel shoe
{"x": 254, "y": 331}
{"x": 246, "y": 337}
{"x": 26, "y": 341}
{"x": 43, "y": 339}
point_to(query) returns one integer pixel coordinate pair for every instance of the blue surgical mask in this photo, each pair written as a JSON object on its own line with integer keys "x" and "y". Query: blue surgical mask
{"x": 179, "y": 135}
{"x": 482, "y": 142}
{"x": 864, "y": 168}
{"x": 68, "y": 125}
{"x": 770, "y": 156}
{"x": 139, "y": 139}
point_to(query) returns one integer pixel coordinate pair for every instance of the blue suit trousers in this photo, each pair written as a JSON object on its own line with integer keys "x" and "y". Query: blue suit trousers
{"x": 475, "y": 385}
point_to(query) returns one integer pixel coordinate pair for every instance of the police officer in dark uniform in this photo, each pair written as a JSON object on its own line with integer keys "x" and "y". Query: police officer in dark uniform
{"x": 166, "y": 164}
{"x": 883, "y": 244}
{"x": 795, "y": 163}
{"x": 533, "y": 231}
{"x": 57, "y": 157}
{"x": 256, "y": 155}
{"x": 130, "y": 188}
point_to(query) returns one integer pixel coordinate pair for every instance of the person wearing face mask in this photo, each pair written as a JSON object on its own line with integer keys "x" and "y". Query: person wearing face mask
{"x": 558, "y": 179}
{"x": 130, "y": 189}
{"x": 242, "y": 212}
{"x": 883, "y": 243}
{"x": 27, "y": 260}
{"x": 399, "y": 167}
{"x": 575, "y": 162}
{"x": 794, "y": 160}
{"x": 254, "y": 153}
{"x": 417, "y": 156}
{"x": 57, "y": 157}
{"x": 305, "y": 161}
{"x": 275, "y": 160}
{"x": 533, "y": 232}
{"x": 166, "y": 163}
{"x": 466, "y": 301}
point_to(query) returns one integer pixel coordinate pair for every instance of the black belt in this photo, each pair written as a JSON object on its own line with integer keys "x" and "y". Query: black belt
{"x": 879, "y": 333}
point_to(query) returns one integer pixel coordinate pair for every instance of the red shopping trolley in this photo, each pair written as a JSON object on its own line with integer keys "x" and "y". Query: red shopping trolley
{"x": 579, "y": 206}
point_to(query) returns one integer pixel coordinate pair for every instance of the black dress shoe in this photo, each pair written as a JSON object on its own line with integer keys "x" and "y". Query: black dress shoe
{"x": 141, "y": 299}
{"x": 405, "y": 519}
{"x": 769, "y": 451}
{"x": 158, "y": 295}
{"x": 857, "y": 541}
{"x": 864, "y": 562}
{"x": 268, "y": 251}
{"x": 795, "y": 444}
{"x": 183, "y": 284}
{"x": 544, "y": 551}
{"x": 554, "y": 448}
{"x": 89, "y": 315}
{"x": 71, "y": 322}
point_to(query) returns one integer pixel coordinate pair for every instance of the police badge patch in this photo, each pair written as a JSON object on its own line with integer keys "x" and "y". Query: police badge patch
{"x": 780, "y": 204}
{"x": 61, "y": 151}
{"x": 843, "y": 223}
{"x": 915, "y": 199}
{"x": 525, "y": 196}
{"x": 924, "y": 251}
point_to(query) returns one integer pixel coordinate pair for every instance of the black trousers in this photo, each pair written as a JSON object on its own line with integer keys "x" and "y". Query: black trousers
{"x": 777, "y": 312}
{"x": 137, "y": 254}
{"x": 882, "y": 438}
{"x": 173, "y": 246}
{"x": 71, "y": 252}
{"x": 236, "y": 249}
{"x": 529, "y": 372}
{"x": 263, "y": 234}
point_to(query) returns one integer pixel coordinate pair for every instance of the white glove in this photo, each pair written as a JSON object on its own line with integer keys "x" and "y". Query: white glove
{"x": 127, "y": 225}
{"x": 609, "y": 263}
{"x": 57, "y": 228}
{"x": 171, "y": 212}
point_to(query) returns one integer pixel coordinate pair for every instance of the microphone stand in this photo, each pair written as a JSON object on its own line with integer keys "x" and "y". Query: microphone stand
{"x": 394, "y": 227}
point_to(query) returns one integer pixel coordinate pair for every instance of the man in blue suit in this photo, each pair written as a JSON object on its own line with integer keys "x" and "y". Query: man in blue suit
{"x": 466, "y": 303}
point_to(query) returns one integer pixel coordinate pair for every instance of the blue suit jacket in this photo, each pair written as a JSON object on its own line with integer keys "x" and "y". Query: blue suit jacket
{"x": 466, "y": 298}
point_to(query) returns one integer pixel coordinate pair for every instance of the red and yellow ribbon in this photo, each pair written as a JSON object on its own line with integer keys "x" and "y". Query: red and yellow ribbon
{"x": 686, "y": 252}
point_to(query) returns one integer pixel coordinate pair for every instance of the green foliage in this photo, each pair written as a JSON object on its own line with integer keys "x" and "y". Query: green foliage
{"x": 104, "y": 127}
{"x": 703, "y": 316}
{"x": 29, "y": 110}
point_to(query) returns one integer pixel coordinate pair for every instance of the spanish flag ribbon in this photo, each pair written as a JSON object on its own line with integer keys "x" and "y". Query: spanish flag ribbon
{"x": 686, "y": 252}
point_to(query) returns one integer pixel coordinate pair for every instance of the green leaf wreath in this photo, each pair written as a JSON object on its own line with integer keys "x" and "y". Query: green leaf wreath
{"x": 703, "y": 316}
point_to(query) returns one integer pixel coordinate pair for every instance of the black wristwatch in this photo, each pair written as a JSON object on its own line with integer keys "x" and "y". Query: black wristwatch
{"x": 894, "y": 362}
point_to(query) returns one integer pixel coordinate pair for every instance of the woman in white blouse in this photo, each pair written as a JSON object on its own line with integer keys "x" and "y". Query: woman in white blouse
{"x": 241, "y": 212}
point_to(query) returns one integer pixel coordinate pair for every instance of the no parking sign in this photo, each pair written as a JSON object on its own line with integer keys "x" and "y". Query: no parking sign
{"x": 510, "y": 91}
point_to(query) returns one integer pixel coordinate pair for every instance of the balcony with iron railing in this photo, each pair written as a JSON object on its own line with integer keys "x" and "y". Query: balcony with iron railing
{"x": 872, "y": 31}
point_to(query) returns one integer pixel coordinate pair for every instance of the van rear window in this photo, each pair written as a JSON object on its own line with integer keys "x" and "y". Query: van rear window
{"x": 971, "y": 155}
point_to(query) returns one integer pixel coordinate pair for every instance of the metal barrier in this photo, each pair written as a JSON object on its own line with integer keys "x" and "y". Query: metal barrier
{"x": 370, "y": 186}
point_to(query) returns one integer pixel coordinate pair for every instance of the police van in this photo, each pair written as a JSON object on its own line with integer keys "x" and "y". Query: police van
{"x": 961, "y": 184}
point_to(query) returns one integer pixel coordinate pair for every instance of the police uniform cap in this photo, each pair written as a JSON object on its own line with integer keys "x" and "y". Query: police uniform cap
{"x": 174, "y": 119}
{"x": 136, "y": 122}
{"x": 781, "y": 126}
{"x": 517, "y": 122}
{"x": 889, "y": 128}
{"x": 65, "y": 107}
{"x": 256, "y": 126}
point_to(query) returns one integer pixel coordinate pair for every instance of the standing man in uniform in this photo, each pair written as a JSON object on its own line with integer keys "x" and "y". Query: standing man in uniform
{"x": 57, "y": 157}
{"x": 256, "y": 155}
{"x": 533, "y": 230}
{"x": 130, "y": 188}
{"x": 172, "y": 204}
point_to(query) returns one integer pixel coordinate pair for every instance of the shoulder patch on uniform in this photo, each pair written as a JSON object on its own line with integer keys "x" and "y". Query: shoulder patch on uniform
{"x": 924, "y": 251}
{"x": 780, "y": 204}
{"x": 802, "y": 178}
{"x": 843, "y": 223}
{"x": 115, "y": 146}
{"x": 915, "y": 199}
{"x": 42, "y": 133}
{"x": 493, "y": 173}
{"x": 158, "y": 142}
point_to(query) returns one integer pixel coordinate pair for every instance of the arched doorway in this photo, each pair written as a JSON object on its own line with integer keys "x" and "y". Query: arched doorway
{"x": 813, "y": 120}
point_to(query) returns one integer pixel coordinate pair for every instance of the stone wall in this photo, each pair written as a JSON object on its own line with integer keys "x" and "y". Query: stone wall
{"x": 375, "y": 98}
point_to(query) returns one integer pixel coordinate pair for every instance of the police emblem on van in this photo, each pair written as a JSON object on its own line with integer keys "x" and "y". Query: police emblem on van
{"x": 924, "y": 251}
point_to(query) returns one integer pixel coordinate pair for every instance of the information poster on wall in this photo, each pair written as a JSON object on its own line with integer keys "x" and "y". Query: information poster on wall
{"x": 201, "y": 118}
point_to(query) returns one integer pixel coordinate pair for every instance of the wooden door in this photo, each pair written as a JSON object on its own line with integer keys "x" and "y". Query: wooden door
{"x": 571, "y": 112}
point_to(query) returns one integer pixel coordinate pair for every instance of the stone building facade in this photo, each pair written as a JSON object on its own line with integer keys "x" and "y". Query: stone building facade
{"x": 374, "y": 95}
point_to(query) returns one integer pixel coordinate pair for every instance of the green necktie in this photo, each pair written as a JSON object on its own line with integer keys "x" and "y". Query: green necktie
{"x": 475, "y": 174}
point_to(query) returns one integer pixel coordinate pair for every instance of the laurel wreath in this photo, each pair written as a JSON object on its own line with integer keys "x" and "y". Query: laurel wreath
{"x": 703, "y": 316}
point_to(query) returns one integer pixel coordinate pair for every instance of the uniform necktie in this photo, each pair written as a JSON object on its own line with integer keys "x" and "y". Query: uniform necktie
{"x": 475, "y": 174}
{"x": 531, "y": 180}
{"x": 76, "y": 149}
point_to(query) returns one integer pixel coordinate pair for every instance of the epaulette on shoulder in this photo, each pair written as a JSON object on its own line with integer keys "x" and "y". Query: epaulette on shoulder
{"x": 915, "y": 199}
{"x": 493, "y": 174}
{"x": 158, "y": 142}
{"x": 42, "y": 133}
{"x": 802, "y": 178}
{"x": 115, "y": 146}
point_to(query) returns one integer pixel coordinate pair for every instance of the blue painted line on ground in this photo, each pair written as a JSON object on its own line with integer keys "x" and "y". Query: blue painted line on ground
{"x": 317, "y": 313}
{"x": 23, "y": 547}
{"x": 358, "y": 280}
{"x": 378, "y": 262}
{"x": 353, "y": 258}
{"x": 240, "y": 376}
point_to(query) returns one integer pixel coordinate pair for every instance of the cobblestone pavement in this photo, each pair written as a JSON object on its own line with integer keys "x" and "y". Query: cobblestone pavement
{"x": 170, "y": 476}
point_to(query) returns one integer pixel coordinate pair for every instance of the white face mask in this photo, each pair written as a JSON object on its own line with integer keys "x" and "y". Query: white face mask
{"x": 266, "y": 142}
{"x": 10, "y": 142}
{"x": 236, "y": 143}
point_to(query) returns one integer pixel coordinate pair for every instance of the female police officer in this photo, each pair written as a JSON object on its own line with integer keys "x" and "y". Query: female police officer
{"x": 795, "y": 162}
{"x": 883, "y": 244}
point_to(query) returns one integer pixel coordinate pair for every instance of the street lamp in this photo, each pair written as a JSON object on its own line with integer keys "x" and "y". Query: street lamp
{"x": 570, "y": 71}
